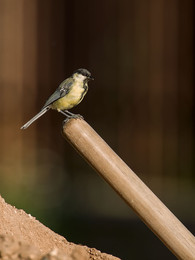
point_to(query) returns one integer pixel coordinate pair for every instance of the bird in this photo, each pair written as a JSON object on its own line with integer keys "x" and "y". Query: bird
{"x": 68, "y": 95}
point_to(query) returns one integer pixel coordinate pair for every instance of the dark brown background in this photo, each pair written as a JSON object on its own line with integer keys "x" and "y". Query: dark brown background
{"x": 141, "y": 54}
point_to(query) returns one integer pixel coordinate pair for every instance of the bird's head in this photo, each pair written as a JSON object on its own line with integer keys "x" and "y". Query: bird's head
{"x": 82, "y": 74}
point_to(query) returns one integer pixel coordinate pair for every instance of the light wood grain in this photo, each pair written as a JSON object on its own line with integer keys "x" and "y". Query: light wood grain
{"x": 138, "y": 196}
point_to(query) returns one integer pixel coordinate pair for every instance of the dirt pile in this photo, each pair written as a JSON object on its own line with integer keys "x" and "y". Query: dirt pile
{"x": 23, "y": 237}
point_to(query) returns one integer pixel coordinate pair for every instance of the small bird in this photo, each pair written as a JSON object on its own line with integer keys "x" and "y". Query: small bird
{"x": 68, "y": 95}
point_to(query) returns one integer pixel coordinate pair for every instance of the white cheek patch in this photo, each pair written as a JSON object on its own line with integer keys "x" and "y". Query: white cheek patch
{"x": 80, "y": 77}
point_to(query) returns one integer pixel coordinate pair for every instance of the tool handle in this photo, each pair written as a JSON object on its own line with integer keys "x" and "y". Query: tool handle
{"x": 128, "y": 185}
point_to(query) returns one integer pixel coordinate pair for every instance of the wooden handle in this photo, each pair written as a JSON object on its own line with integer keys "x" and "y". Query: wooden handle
{"x": 138, "y": 196}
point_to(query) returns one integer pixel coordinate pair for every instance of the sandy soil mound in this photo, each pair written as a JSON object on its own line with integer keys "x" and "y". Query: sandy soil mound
{"x": 24, "y": 237}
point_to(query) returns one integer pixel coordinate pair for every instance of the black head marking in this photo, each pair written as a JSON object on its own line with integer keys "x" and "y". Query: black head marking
{"x": 83, "y": 72}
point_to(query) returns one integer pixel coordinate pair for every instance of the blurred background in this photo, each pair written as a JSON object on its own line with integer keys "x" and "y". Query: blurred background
{"x": 141, "y": 54}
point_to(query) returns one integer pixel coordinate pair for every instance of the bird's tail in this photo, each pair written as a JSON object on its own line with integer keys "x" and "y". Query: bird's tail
{"x": 42, "y": 112}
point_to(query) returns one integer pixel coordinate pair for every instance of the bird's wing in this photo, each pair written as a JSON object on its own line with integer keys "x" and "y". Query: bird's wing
{"x": 60, "y": 92}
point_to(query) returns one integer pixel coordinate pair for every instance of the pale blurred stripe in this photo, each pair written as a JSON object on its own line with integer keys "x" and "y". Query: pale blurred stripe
{"x": 156, "y": 88}
{"x": 17, "y": 72}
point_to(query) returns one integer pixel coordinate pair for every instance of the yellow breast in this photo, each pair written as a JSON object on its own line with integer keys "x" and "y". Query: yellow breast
{"x": 73, "y": 98}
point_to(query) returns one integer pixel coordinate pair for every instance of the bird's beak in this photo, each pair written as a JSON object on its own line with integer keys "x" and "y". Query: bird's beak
{"x": 91, "y": 78}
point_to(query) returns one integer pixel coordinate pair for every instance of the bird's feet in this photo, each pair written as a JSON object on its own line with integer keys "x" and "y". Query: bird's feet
{"x": 70, "y": 115}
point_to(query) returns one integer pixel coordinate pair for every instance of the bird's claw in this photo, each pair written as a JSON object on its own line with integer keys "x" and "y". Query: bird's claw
{"x": 74, "y": 116}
